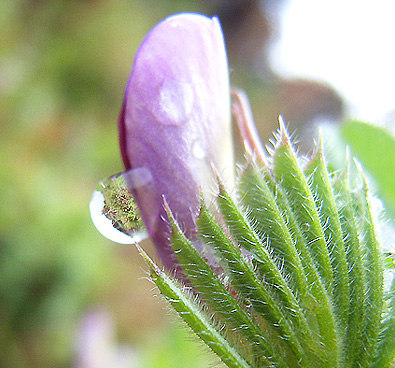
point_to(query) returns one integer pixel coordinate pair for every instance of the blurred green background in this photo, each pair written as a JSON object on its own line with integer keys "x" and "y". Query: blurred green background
{"x": 63, "y": 69}
{"x": 68, "y": 296}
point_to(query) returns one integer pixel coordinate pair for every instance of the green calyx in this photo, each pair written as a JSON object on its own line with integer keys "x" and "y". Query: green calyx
{"x": 298, "y": 270}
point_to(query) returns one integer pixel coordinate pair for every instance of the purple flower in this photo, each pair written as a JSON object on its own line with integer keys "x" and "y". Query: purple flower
{"x": 175, "y": 122}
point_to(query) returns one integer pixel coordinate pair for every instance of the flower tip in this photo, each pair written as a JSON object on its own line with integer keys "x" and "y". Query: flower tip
{"x": 220, "y": 183}
{"x": 347, "y": 160}
{"x": 167, "y": 209}
{"x": 216, "y": 24}
{"x": 318, "y": 153}
{"x": 320, "y": 143}
{"x": 284, "y": 136}
{"x": 215, "y": 172}
{"x": 188, "y": 19}
{"x": 359, "y": 168}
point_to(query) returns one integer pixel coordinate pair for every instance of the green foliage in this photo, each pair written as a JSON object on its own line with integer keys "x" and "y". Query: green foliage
{"x": 64, "y": 65}
{"x": 375, "y": 148}
{"x": 292, "y": 274}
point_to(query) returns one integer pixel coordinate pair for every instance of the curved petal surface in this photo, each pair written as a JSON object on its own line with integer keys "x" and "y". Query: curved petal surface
{"x": 175, "y": 121}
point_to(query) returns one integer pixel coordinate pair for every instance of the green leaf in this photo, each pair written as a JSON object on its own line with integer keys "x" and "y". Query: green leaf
{"x": 375, "y": 148}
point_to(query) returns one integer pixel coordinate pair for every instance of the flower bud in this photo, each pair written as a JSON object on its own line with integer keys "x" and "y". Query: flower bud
{"x": 175, "y": 122}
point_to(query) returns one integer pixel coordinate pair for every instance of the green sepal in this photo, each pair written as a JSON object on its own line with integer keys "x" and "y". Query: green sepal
{"x": 386, "y": 346}
{"x": 297, "y": 271}
{"x": 270, "y": 225}
{"x": 389, "y": 261}
{"x": 189, "y": 309}
{"x": 319, "y": 181}
{"x": 261, "y": 195}
{"x": 244, "y": 236}
{"x": 245, "y": 281}
{"x": 289, "y": 175}
{"x": 373, "y": 265}
{"x": 355, "y": 326}
{"x": 219, "y": 298}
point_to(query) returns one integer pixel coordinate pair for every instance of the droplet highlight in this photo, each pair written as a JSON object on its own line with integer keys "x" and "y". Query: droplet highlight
{"x": 198, "y": 149}
{"x": 175, "y": 102}
{"x": 114, "y": 211}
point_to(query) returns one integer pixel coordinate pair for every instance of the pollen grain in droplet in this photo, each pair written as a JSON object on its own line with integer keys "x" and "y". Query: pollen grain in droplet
{"x": 115, "y": 213}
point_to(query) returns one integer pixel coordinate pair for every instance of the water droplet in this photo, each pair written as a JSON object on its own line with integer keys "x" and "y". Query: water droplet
{"x": 175, "y": 102}
{"x": 198, "y": 149}
{"x": 113, "y": 209}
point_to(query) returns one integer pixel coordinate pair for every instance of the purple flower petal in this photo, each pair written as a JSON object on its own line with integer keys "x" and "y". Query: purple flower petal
{"x": 175, "y": 121}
